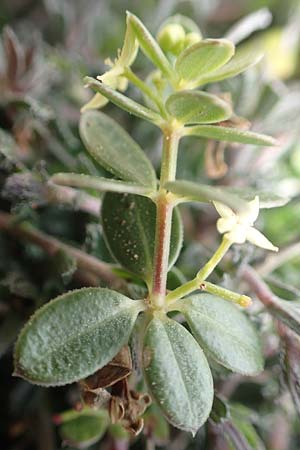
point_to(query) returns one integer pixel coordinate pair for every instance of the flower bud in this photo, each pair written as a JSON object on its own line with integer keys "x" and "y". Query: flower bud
{"x": 191, "y": 39}
{"x": 171, "y": 38}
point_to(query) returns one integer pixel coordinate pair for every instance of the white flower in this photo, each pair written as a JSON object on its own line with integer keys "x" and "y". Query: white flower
{"x": 114, "y": 77}
{"x": 238, "y": 228}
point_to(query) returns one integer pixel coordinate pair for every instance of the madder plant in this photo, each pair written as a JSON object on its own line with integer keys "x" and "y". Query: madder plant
{"x": 82, "y": 336}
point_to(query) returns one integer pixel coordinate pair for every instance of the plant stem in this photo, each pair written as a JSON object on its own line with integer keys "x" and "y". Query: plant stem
{"x": 204, "y": 273}
{"x": 164, "y": 210}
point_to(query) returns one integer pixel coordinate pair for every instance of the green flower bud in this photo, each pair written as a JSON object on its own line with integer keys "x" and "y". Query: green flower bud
{"x": 171, "y": 38}
{"x": 191, "y": 38}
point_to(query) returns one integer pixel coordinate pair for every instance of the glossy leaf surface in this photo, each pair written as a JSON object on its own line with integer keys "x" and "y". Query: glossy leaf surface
{"x": 115, "y": 150}
{"x": 178, "y": 374}
{"x": 224, "y": 332}
{"x": 74, "y": 335}
{"x": 129, "y": 228}
{"x": 190, "y": 107}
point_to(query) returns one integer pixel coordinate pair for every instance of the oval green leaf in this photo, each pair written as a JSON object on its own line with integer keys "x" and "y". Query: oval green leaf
{"x": 84, "y": 428}
{"x": 177, "y": 374}
{"x": 74, "y": 335}
{"x": 224, "y": 332}
{"x": 229, "y": 134}
{"x": 129, "y": 228}
{"x": 203, "y": 57}
{"x": 115, "y": 150}
{"x": 266, "y": 199}
{"x": 190, "y": 107}
{"x": 246, "y": 56}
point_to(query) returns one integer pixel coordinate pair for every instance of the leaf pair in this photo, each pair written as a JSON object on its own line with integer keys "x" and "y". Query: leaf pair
{"x": 175, "y": 367}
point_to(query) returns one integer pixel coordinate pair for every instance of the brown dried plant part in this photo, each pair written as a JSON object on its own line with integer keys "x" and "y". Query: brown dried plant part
{"x": 124, "y": 405}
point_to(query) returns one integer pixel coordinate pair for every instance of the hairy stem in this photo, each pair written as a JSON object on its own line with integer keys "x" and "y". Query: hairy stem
{"x": 164, "y": 210}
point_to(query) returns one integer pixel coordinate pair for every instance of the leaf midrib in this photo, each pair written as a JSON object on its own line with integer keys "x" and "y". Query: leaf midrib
{"x": 76, "y": 335}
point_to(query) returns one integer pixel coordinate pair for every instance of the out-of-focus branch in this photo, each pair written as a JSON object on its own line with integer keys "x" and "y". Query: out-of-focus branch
{"x": 79, "y": 200}
{"x": 258, "y": 286}
{"x": 272, "y": 262}
{"x": 85, "y": 263}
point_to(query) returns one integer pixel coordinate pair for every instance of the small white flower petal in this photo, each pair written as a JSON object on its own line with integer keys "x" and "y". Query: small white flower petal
{"x": 251, "y": 214}
{"x": 238, "y": 234}
{"x": 224, "y": 225}
{"x": 257, "y": 238}
{"x": 223, "y": 210}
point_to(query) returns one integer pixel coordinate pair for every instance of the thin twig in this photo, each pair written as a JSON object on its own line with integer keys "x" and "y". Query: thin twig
{"x": 85, "y": 262}
{"x": 79, "y": 200}
{"x": 258, "y": 286}
{"x": 272, "y": 262}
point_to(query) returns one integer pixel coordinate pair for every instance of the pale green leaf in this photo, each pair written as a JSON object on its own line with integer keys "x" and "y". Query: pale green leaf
{"x": 246, "y": 56}
{"x": 115, "y": 150}
{"x": 81, "y": 429}
{"x": 194, "y": 192}
{"x": 129, "y": 228}
{"x": 98, "y": 183}
{"x": 149, "y": 45}
{"x": 190, "y": 107}
{"x": 267, "y": 199}
{"x": 229, "y": 134}
{"x": 203, "y": 57}
{"x": 224, "y": 332}
{"x": 123, "y": 101}
{"x": 177, "y": 374}
{"x": 74, "y": 335}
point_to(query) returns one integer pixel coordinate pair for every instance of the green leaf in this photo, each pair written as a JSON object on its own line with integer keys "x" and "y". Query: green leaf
{"x": 266, "y": 199}
{"x": 190, "y": 107}
{"x": 129, "y": 228}
{"x": 115, "y": 150}
{"x": 224, "y": 332}
{"x": 177, "y": 374}
{"x": 82, "y": 429}
{"x": 122, "y": 101}
{"x": 194, "y": 192}
{"x": 149, "y": 45}
{"x": 74, "y": 335}
{"x": 203, "y": 57}
{"x": 229, "y": 134}
{"x": 99, "y": 183}
{"x": 246, "y": 56}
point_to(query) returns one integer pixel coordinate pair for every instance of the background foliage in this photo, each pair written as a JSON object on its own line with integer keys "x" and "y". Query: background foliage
{"x": 46, "y": 49}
